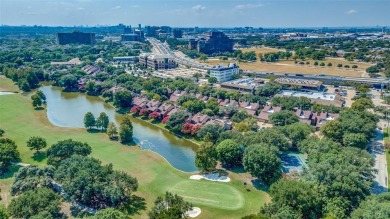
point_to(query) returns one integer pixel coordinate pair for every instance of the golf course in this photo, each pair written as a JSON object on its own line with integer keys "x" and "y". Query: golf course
{"x": 155, "y": 175}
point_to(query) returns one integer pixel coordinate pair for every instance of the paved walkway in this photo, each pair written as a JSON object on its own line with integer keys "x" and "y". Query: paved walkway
{"x": 377, "y": 150}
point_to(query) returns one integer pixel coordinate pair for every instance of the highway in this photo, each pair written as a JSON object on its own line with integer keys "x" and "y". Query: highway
{"x": 163, "y": 48}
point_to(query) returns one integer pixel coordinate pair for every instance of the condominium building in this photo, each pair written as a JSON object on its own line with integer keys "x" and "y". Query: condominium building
{"x": 157, "y": 61}
{"x": 224, "y": 73}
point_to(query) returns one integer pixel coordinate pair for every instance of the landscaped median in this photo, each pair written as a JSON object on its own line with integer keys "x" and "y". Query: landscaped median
{"x": 156, "y": 176}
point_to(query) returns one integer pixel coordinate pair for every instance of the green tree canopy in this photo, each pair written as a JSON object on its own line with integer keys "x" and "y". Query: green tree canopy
{"x": 86, "y": 181}
{"x": 34, "y": 202}
{"x": 301, "y": 196}
{"x": 30, "y": 178}
{"x": 102, "y": 121}
{"x": 213, "y": 129}
{"x": 89, "y": 120}
{"x": 283, "y": 118}
{"x": 123, "y": 99}
{"x": 65, "y": 149}
{"x": 8, "y": 153}
{"x": 260, "y": 161}
{"x": 109, "y": 213}
{"x": 374, "y": 207}
{"x": 206, "y": 157}
{"x": 36, "y": 143}
{"x": 171, "y": 206}
{"x": 177, "y": 120}
{"x": 229, "y": 153}
{"x": 126, "y": 130}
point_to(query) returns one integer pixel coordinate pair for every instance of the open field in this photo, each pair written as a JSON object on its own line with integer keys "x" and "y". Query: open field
{"x": 263, "y": 50}
{"x": 290, "y": 67}
{"x": 154, "y": 174}
{"x": 7, "y": 85}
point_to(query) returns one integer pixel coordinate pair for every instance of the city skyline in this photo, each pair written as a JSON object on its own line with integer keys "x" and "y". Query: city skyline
{"x": 231, "y": 13}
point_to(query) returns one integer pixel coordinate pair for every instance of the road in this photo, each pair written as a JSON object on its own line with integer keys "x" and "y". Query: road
{"x": 378, "y": 152}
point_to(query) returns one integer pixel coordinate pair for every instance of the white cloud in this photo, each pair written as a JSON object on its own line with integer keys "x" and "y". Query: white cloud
{"x": 352, "y": 11}
{"x": 248, "y": 6}
{"x": 198, "y": 8}
{"x": 117, "y": 7}
{"x": 80, "y": 8}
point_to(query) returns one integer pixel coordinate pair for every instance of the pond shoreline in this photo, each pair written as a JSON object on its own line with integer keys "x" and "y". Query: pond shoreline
{"x": 67, "y": 109}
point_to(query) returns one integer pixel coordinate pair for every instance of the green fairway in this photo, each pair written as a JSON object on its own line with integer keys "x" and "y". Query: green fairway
{"x": 155, "y": 176}
{"x": 214, "y": 194}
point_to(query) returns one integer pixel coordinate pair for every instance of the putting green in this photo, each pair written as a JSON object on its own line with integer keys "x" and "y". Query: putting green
{"x": 215, "y": 194}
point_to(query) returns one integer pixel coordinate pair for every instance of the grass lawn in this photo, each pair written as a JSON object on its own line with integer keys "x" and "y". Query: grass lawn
{"x": 7, "y": 85}
{"x": 154, "y": 174}
{"x": 290, "y": 67}
{"x": 204, "y": 193}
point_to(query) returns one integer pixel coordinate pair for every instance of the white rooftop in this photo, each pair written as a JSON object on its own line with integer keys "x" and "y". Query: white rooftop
{"x": 311, "y": 95}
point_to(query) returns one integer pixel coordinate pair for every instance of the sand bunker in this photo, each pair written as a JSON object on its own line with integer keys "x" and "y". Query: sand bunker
{"x": 211, "y": 177}
{"x": 195, "y": 212}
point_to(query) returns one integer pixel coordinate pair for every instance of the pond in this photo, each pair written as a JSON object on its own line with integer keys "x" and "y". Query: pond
{"x": 68, "y": 109}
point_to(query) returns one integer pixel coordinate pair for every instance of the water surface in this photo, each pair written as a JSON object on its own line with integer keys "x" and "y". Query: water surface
{"x": 68, "y": 109}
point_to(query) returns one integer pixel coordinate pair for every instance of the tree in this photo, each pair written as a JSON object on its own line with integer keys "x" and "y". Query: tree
{"x": 34, "y": 202}
{"x": 171, "y": 206}
{"x": 239, "y": 116}
{"x": 322, "y": 64}
{"x": 36, "y": 101}
{"x": 213, "y": 80}
{"x": 3, "y": 213}
{"x": 87, "y": 182}
{"x": 315, "y": 63}
{"x": 375, "y": 206}
{"x": 301, "y": 196}
{"x": 36, "y": 143}
{"x": 112, "y": 130}
{"x": 332, "y": 130}
{"x": 297, "y": 132}
{"x": 271, "y": 137}
{"x": 109, "y": 213}
{"x": 283, "y": 118}
{"x": 358, "y": 140}
{"x": 354, "y": 66}
{"x": 229, "y": 153}
{"x": 194, "y": 106}
{"x": 123, "y": 99}
{"x": 2, "y": 132}
{"x": 339, "y": 65}
{"x": 32, "y": 177}
{"x": 102, "y": 121}
{"x": 203, "y": 57}
{"x": 343, "y": 175}
{"x": 242, "y": 127}
{"x": 89, "y": 120}
{"x": 213, "y": 129}
{"x": 187, "y": 128}
{"x": 372, "y": 69}
{"x": 260, "y": 161}
{"x": 154, "y": 115}
{"x": 206, "y": 157}
{"x": 8, "y": 153}
{"x": 65, "y": 149}
{"x": 362, "y": 104}
{"x": 126, "y": 130}
{"x": 329, "y": 64}
{"x": 177, "y": 120}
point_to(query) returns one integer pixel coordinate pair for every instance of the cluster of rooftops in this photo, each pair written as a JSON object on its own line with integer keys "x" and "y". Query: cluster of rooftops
{"x": 262, "y": 113}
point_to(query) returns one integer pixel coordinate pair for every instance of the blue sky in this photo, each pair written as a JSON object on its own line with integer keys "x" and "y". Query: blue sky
{"x": 203, "y": 13}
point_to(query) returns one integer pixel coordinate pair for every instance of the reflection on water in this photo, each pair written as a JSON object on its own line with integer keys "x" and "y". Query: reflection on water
{"x": 68, "y": 109}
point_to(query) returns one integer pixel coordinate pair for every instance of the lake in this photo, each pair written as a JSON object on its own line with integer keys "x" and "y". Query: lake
{"x": 67, "y": 109}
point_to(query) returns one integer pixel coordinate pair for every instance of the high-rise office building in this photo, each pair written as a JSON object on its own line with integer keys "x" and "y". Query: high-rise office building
{"x": 76, "y": 37}
{"x": 177, "y": 33}
{"x": 214, "y": 42}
